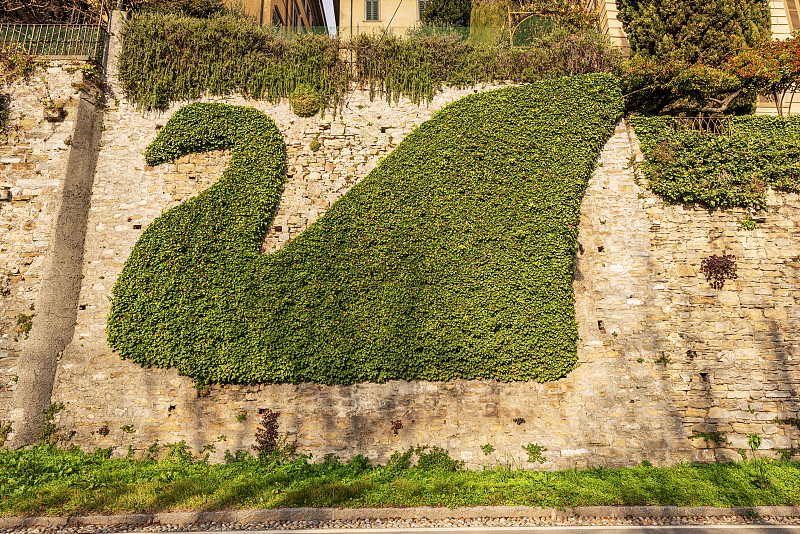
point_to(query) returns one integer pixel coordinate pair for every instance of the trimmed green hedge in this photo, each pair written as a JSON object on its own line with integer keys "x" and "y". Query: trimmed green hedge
{"x": 720, "y": 170}
{"x": 452, "y": 259}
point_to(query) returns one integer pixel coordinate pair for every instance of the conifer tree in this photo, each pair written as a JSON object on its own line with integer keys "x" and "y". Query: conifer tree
{"x": 707, "y": 31}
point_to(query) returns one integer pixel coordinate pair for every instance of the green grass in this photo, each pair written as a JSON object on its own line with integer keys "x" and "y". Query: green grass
{"x": 49, "y": 481}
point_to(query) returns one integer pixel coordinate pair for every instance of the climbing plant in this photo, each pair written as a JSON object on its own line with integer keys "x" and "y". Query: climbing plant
{"x": 167, "y": 57}
{"x": 721, "y": 170}
{"x": 452, "y": 259}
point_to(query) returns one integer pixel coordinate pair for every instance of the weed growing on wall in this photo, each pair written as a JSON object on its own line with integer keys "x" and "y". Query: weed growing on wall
{"x": 171, "y": 57}
{"x": 719, "y": 170}
{"x": 452, "y": 259}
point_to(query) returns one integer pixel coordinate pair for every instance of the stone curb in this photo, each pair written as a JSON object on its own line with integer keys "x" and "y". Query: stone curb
{"x": 351, "y": 514}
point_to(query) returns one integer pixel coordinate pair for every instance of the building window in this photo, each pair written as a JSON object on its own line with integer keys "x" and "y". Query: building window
{"x": 372, "y": 10}
{"x": 793, "y": 11}
{"x": 421, "y": 8}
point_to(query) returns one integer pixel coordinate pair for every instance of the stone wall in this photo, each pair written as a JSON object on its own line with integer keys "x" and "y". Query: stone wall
{"x": 33, "y": 157}
{"x": 662, "y": 356}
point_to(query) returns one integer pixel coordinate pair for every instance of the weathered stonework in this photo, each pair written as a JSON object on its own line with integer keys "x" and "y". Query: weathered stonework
{"x": 33, "y": 155}
{"x": 662, "y": 356}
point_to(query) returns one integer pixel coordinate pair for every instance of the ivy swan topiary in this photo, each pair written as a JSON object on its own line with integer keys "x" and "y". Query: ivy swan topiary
{"x": 452, "y": 259}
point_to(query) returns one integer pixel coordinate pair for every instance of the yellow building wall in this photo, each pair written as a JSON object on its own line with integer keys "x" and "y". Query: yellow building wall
{"x": 609, "y": 24}
{"x": 782, "y": 12}
{"x": 262, "y": 11}
{"x": 395, "y": 15}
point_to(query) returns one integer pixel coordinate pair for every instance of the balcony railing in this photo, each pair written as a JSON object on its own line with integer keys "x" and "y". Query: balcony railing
{"x": 56, "y": 41}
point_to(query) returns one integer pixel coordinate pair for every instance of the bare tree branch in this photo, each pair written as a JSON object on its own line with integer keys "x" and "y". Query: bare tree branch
{"x": 723, "y": 104}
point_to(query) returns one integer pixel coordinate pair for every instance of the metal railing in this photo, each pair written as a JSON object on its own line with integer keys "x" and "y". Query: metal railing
{"x": 709, "y": 125}
{"x": 74, "y": 34}
{"x": 57, "y": 41}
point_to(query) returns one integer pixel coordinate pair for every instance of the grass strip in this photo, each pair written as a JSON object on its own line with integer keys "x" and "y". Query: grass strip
{"x": 45, "y": 480}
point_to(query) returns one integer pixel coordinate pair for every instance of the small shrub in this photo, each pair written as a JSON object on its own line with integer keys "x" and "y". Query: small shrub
{"x": 487, "y": 449}
{"x": 748, "y": 224}
{"x": 535, "y": 452}
{"x": 718, "y": 269}
{"x": 270, "y": 444}
{"x": 437, "y": 458}
{"x": 24, "y": 324}
{"x": 305, "y": 102}
{"x": 315, "y": 145}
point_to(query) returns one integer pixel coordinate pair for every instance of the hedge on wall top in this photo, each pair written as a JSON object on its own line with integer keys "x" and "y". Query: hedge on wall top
{"x": 721, "y": 170}
{"x": 452, "y": 259}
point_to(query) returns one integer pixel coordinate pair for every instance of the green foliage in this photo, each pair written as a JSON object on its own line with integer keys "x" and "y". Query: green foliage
{"x": 748, "y": 223}
{"x": 189, "y": 8}
{"x": 304, "y": 101}
{"x": 48, "y": 431}
{"x": 487, "y": 449}
{"x": 24, "y": 324}
{"x": 718, "y": 170}
{"x": 417, "y": 68}
{"x": 314, "y": 145}
{"x": 535, "y": 452}
{"x": 717, "y": 437}
{"x": 447, "y": 12}
{"x": 566, "y": 13}
{"x": 44, "y": 480}
{"x": 168, "y": 57}
{"x": 453, "y": 259}
{"x": 679, "y": 52}
{"x": 436, "y": 458}
{"x": 753, "y": 441}
{"x": 696, "y": 32}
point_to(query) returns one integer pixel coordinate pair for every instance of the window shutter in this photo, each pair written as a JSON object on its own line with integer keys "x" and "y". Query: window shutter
{"x": 372, "y": 10}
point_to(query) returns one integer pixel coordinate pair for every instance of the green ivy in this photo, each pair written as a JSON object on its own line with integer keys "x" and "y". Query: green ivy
{"x": 452, "y": 259}
{"x": 721, "y": 170}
